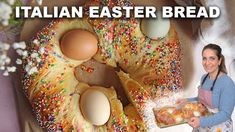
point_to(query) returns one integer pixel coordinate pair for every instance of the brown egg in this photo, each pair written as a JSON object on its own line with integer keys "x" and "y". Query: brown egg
{"x": 79, "y": 44}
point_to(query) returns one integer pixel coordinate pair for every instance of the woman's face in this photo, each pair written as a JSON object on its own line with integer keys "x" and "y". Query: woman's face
{"x": 210, "y": 61}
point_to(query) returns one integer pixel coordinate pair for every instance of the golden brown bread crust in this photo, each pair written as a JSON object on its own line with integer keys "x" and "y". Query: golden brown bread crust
{"x": 166, "y": 117}
{"x": 54, "y": 92}
{"x": 52, "y": 89}
{"x": 189, "y": 109}
{"x": 155, "y": 64}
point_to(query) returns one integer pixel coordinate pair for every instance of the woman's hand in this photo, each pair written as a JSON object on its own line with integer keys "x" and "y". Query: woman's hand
{"x": 194, "y": 122}
{"x": 181, "y": 102}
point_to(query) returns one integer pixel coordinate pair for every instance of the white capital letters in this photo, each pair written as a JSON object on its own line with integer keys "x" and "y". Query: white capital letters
{"x": 167, "y": 12}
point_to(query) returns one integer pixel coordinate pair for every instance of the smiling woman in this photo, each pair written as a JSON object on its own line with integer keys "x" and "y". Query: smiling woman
{"x": 213, "y": 60}
{"x": 213, "y": 92}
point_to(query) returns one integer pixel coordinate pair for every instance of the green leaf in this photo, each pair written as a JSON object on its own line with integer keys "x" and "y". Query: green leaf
{"x": 13, "y": 20}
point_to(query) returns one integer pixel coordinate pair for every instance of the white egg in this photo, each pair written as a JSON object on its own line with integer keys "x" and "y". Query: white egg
{"x": 178, "y": 119}
{"x": 170, "y": 111}
{"x": 95, "y": 107}
{"x": 196, "y": 113}
{"x": 155, "y": 27}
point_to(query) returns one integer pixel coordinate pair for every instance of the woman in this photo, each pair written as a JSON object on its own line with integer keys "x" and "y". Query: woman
{"x": 216, "y": 92}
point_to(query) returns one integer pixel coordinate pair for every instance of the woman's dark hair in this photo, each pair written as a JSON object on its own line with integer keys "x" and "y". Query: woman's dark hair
{"x": 219, "y": 54}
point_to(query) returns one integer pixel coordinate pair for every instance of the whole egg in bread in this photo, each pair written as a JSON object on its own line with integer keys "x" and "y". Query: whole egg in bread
{"x": 155, "y": 28}
{"x": 95, "y": 107}
{"x": 79, "y": 44}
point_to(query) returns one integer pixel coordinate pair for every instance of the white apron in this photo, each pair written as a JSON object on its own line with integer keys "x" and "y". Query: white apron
{"x": 205, "y": 97}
